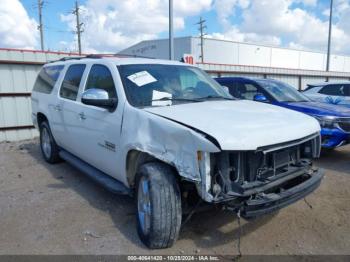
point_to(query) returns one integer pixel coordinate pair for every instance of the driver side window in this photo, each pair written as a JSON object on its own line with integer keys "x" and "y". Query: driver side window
{"x": 245, "y": 91}
{"x": 100, "y": 77}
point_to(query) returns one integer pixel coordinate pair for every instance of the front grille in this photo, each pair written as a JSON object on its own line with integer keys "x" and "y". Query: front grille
{"x": 344, "y": 125}
{"x": 232, "y": 170}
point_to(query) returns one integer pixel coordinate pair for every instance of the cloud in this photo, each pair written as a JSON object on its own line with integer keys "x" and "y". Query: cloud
{"x": 17, "y": 30}
{"x": 307, "y": 2}
{"x": 111, "y": 25}
{"x": 226, "y": 8}
{"x": 278, "y": 22}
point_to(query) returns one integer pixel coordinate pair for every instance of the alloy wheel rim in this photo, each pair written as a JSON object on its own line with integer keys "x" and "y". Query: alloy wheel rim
{"x": 144, "y": 206}
{"x": 46, "y": 143}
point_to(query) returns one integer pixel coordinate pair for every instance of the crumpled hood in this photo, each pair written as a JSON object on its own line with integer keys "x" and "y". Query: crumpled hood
{"x": 318, "y": 108}
{"x": 241, "y": 124}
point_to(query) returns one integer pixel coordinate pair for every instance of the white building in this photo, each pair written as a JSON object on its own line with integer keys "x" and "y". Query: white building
{"x": 244, "y": 54}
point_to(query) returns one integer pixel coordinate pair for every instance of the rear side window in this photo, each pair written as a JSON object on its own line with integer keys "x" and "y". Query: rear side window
{"x": 334, "y": 90}
{"x": 71, "y": 82}
{"x": 47, "y": 78}
{"x": 101, "y": 78}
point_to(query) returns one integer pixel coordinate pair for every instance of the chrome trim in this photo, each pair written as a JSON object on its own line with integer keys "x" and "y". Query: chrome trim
{"x": 287, "y": 144}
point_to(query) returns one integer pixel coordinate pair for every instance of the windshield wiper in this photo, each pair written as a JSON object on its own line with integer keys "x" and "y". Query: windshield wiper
{"x": 175, "y": 99}
{"x": 216, "y": 97}
{"x": 293, "y": 101}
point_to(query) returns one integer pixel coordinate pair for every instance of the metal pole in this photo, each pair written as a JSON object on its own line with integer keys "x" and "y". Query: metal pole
{"x": 40, "y": 27}
{"x": 329, "y": 36}
{"x": 201, "y": 22}
{"x": 171, "y": 31}
{"x": 202, "y": 26}
{"x": 78, "y": 26}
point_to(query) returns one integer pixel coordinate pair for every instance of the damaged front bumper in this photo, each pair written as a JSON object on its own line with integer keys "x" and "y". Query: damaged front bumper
{"x": 264, "y": 202}
{"x": 261, "y": 181}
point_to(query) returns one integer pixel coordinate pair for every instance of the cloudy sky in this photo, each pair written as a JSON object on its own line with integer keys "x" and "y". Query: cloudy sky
{"x": 111, "y": 25}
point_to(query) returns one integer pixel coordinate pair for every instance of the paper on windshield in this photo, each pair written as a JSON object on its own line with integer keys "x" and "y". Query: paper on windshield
{"x": 159, "y": 95}
{"x": 142, "y": 78}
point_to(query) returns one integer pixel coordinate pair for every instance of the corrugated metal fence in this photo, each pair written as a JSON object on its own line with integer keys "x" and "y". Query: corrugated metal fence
{"x": 18, "y": 71}
{"x": 296, "y": 77}
{"x": 19, "y": 68}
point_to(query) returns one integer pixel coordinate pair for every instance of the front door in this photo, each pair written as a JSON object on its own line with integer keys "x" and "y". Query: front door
{"x": 100, "y": 128}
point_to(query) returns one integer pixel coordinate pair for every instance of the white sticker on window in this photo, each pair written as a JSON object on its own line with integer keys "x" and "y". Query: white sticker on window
{"x": 142, "y": 78}
{"x": 159, "y": 95}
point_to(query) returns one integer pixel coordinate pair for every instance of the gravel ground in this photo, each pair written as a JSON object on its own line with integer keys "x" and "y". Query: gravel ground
{"x": 54, "y": 209}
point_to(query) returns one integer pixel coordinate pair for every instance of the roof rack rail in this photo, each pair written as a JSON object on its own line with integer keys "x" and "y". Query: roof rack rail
{"x": 94, "y": 56}
{"x": 68, "y": 58}
{"x": 133, "y": 56}
{"x": 98, "y": 56}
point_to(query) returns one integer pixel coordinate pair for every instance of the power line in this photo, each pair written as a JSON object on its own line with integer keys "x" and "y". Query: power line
{"x": 78, "y": 26}
{"x": 201, "y": 28}
{"x": 40, "y": 26}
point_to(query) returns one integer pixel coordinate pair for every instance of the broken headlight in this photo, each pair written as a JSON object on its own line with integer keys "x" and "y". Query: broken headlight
{"x": 205, "y": 171}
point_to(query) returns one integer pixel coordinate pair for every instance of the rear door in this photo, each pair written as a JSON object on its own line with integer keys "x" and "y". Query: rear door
{"x": 99, "y": 129}
{"x": 44, "y": 98}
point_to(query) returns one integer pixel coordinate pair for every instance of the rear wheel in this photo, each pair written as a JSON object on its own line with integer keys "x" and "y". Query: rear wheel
{"x": 158, "y": 205}
{"x": 49, "y": 148}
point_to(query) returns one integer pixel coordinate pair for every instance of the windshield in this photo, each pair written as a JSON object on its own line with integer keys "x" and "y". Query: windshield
{"x": 160, "y": 85}
{"x": 282, "y": 92}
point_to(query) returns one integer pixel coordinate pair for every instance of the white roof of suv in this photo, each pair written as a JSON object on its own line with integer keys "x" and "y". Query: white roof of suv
{"x": 118, "y": 60}
{"x": 331, "y": 83}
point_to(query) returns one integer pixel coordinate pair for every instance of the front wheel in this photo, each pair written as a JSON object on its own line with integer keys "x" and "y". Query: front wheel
{"x": 158, "y": 205}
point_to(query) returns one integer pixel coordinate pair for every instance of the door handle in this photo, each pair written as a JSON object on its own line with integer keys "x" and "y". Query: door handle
{"x": 57, "y": 108}
{"x": 82, "y": 116}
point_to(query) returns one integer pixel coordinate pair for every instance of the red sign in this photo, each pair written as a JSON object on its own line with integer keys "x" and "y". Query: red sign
{"x": 188, "y": 59}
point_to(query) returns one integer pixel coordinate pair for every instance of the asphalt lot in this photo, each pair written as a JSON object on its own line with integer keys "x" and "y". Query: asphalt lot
{"x": 54, "y": 209}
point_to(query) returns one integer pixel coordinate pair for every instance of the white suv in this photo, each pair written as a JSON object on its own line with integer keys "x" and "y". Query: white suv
{"x": 337, "y": 93}
{"x": 171, "y": 136}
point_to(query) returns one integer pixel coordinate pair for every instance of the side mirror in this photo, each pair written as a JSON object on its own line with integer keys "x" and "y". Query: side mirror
{"x": 260, "y": 98}
{"x": 99, "y": 98}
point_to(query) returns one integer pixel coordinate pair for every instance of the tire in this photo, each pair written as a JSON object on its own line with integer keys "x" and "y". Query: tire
{"x": 48, "y": 146}
{"x": 158, "y": 202}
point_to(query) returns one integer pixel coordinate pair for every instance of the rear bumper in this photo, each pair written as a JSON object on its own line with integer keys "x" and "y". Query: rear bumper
{"x": 267, "y": 203}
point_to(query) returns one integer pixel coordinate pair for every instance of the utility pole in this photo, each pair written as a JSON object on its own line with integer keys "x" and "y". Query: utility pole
{"x": 329, "y": 36}
{"x": 78, "y": 26}
{"x": 40, "y": 26}
{"x": 202, "y": 26}
{"x": 171, "y": 30}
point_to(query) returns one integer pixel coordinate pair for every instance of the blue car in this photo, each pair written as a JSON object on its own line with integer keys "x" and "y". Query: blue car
{"x": 334, "y": 120}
